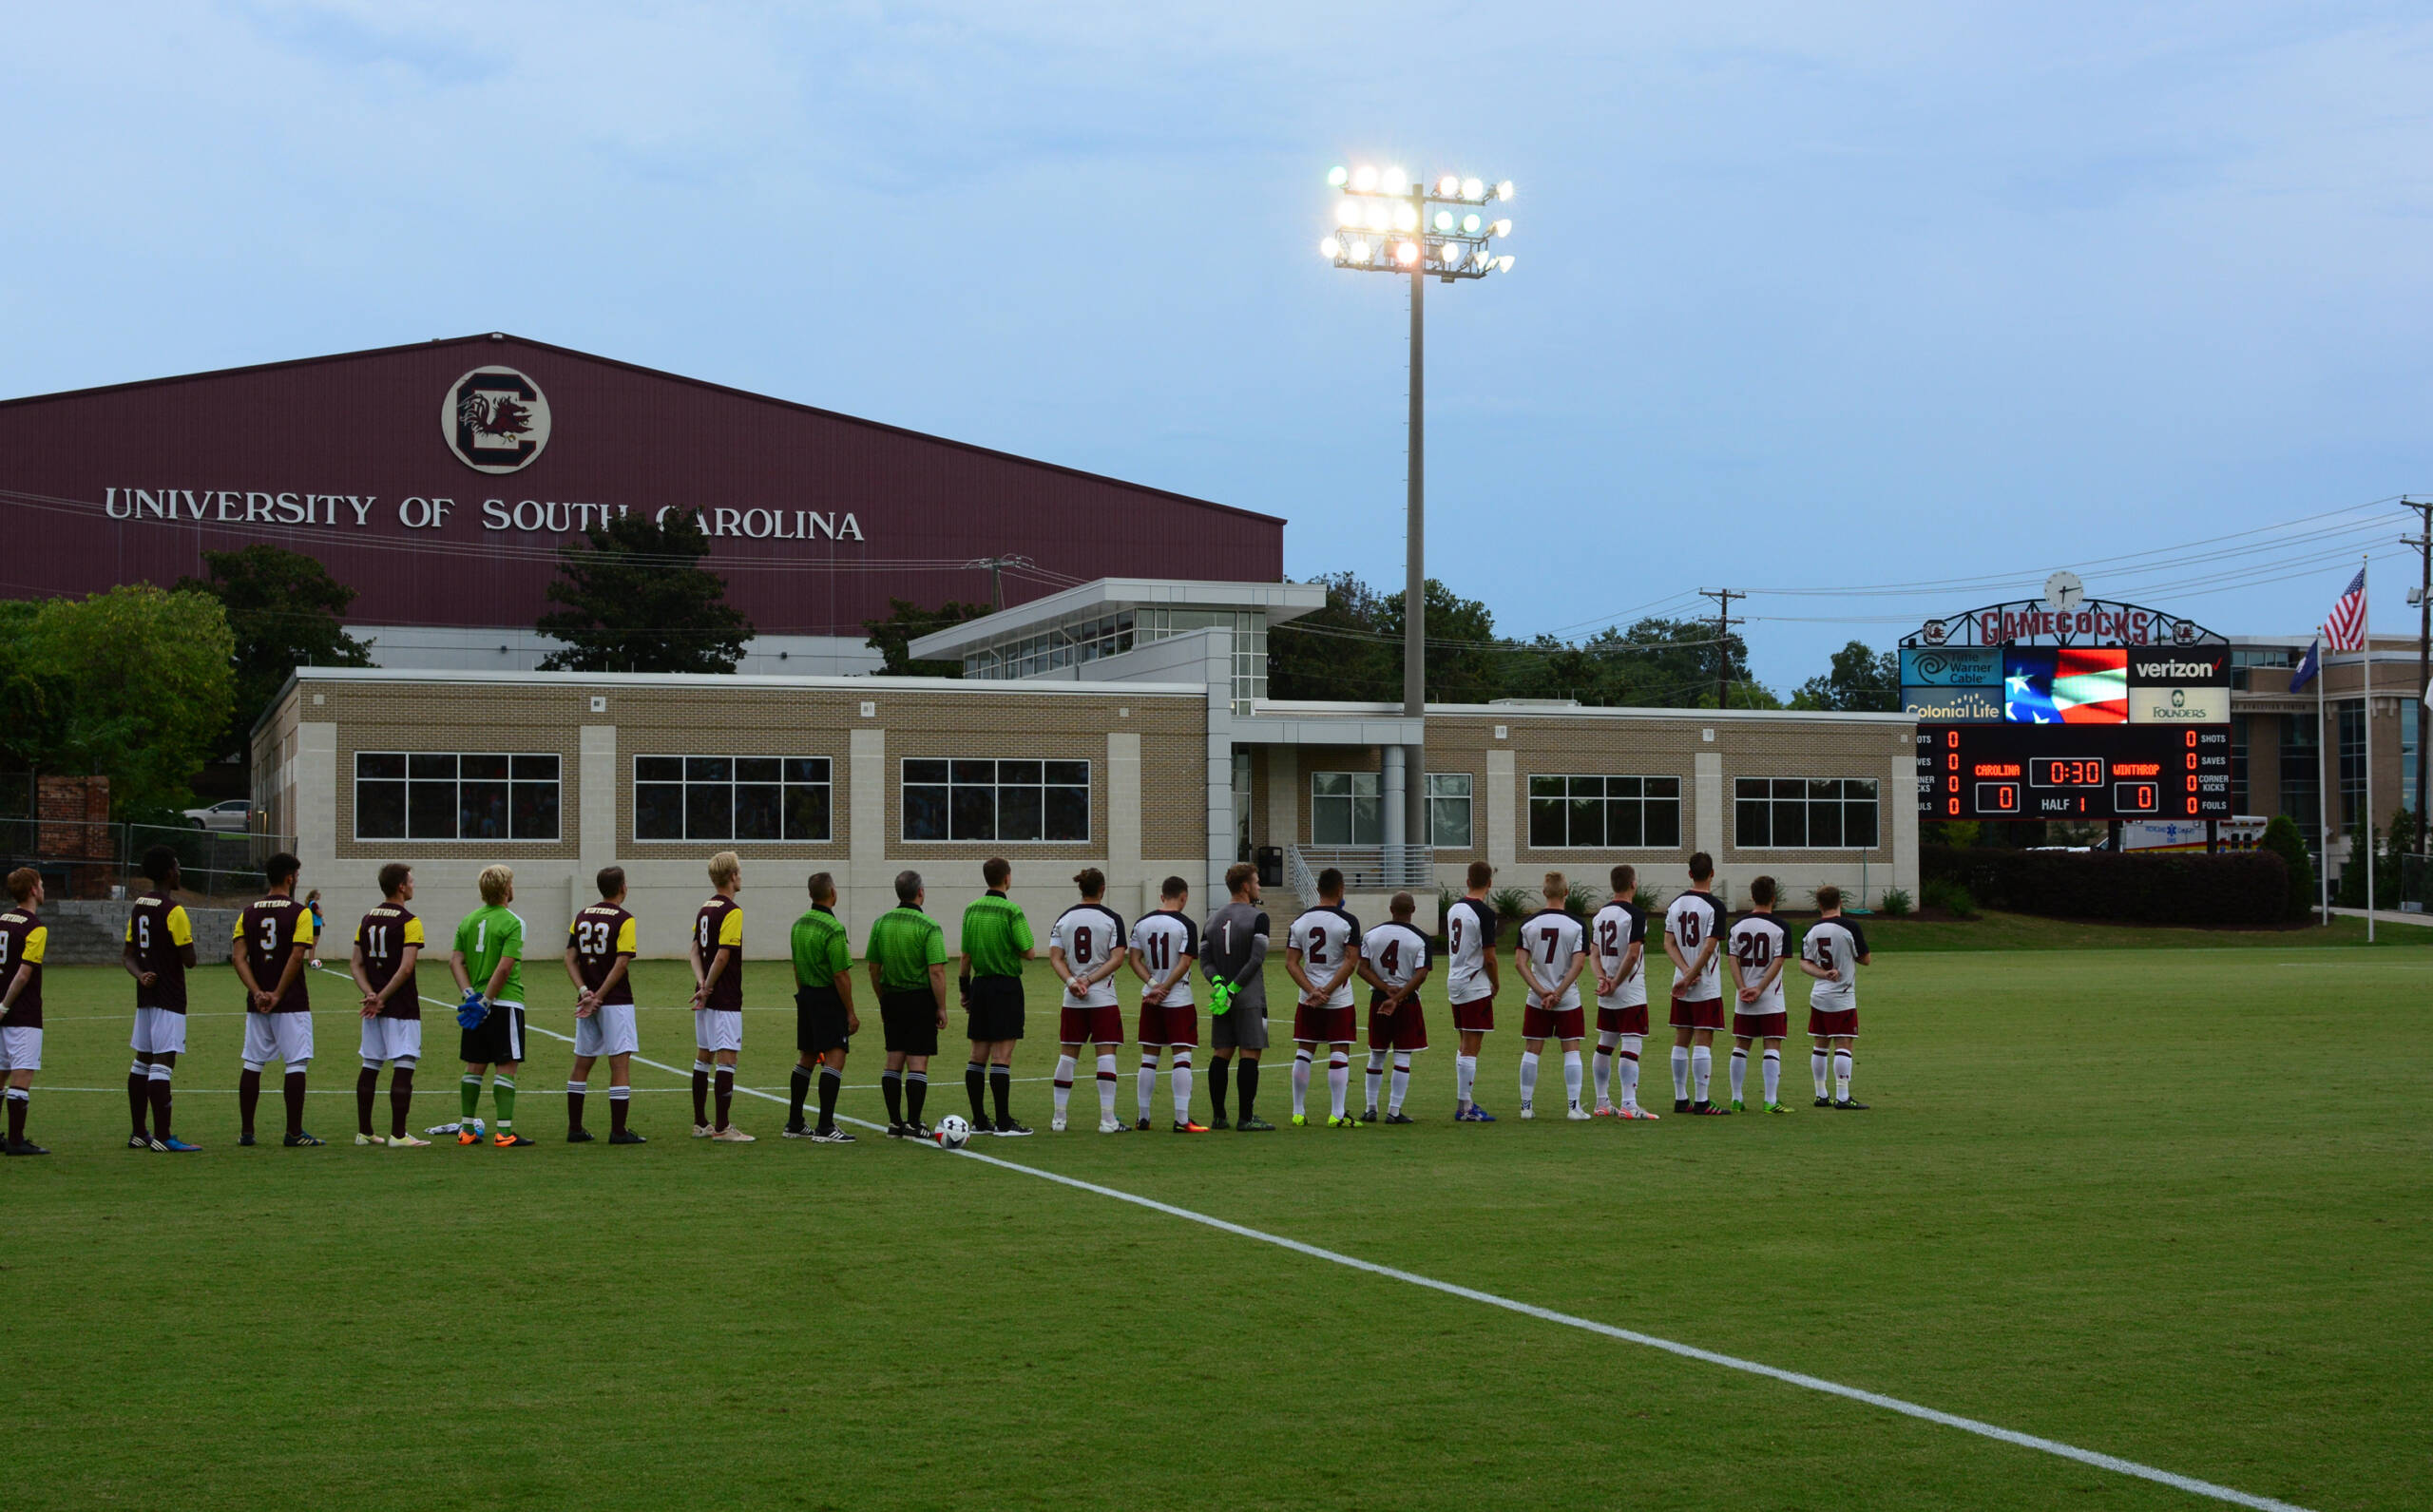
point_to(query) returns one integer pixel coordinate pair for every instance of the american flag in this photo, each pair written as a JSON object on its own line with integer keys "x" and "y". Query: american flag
{"x": 2344, "y": 628}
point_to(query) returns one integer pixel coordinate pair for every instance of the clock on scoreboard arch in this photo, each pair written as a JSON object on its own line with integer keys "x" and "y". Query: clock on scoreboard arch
{"x": 2073, "y": 771}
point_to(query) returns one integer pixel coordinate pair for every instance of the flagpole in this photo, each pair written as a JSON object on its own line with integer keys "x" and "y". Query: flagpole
{"x": 2365, "y": 634}
{"x": 2322, "y": 784}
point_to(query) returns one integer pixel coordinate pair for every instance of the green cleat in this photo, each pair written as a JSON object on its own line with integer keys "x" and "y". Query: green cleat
{"x": 1345, "y": 1122}
{"x": 1738, "y": 1107}
{"x": 1777, "y": 1107}
{"x": 1300, "y": 1121}
{"x": 1253, "y": 1126}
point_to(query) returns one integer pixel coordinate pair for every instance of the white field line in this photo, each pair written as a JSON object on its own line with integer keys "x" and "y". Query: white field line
{"x": 1689, "y": 1351}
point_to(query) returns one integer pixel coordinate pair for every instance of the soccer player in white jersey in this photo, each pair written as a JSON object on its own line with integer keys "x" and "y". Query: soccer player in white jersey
{"x": 1394, "y": 960}
{"x": 1084, "y": 947}
{"x": 1551, "y": 949}
{"x": 1692, "y": 935}
{"x": 1832, "y": 953}
{"x": 1470, "y": 984}
{"x": 1319, "y": 956}
{"x": 1759, "y": 949}
{"x": 1617, "y": 949}
{"x": 1165, "y": 943}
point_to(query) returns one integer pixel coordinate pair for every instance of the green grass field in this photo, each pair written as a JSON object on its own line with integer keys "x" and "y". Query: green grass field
{"x": 2171, "y": 1205}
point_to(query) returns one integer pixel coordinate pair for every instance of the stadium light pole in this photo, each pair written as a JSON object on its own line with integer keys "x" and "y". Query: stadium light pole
{"x": 1387, "y": 221}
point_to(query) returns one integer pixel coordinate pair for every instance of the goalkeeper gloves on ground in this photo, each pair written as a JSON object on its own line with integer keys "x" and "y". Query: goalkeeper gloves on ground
{"x": 470, "y": 1012}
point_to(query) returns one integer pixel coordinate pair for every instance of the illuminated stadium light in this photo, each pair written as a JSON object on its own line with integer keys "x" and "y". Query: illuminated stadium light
{"x": 1456, "y": 244}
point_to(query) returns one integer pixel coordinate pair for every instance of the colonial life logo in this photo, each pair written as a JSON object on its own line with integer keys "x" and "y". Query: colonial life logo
{"x": 495, "y": 420}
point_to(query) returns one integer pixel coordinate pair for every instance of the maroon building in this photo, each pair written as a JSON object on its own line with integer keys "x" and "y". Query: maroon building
{"x": 440, "y": 479}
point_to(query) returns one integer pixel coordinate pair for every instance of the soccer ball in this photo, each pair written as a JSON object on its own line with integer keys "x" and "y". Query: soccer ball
{"x": 954, "y": 1131}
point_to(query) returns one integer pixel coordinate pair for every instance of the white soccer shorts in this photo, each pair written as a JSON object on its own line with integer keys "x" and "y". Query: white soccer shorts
{"x": 718, "y": 1029}
{"x": 398, "y": 1040}
{"x": 20, "y": 1049}
{"x": 158, "y": 1031}
{"x": 286, "y": 1037}
{"x": 610, "y": 1031}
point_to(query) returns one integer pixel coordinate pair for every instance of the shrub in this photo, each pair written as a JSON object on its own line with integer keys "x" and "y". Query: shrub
{"x": 1512, "y": 904}
{"x": 1647, "y": 900}
{"x": 1948, "y": 895}
{"x": 2242, "y": 889}
{"x": 2283, "y": 838}
{"x": 1894, "y": 904}
{"x": 1582, "y": 904}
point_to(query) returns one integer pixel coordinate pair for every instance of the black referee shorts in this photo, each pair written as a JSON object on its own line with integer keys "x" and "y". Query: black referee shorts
{"x": 911, "y": 1021}
{"x": 819, "y": 1021}
{"x": 996, "y": 1009}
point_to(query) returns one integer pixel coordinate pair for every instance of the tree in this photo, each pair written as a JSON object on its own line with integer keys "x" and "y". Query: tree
{"x": 134, "y": 684}
{"x": 2282, "y": 836}
{"x": 1337, "y": 650}
{"x": 286, "y": 612}
{"x": 905, "y": 623}
{"x": 636, "y": 599}
{"x": 1861, "y": 680}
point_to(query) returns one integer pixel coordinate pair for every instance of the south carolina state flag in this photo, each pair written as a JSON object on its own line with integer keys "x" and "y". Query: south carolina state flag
{"x": 2091, "y": 684}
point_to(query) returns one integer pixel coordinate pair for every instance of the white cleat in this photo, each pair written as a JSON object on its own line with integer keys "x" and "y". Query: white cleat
{"x": 407, "y": 1141}
{"x": 1639, "y": 1114}
{"x": 701, "y": 1130}
{"x": 1056, "y": 1124}
{"x": 1579, "y": 1114}
{"x": 370, "y": 1139}
{"x": 731, "y": 1135}
{"x": 1527, "y": 1112}
{"x": 1114, "y": 1126}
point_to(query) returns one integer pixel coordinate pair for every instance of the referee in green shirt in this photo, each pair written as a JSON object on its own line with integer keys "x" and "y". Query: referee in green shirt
{"x": 824, "y": 1016}
{"x": 908, "y": 960}
{"x": 996, "y": 942}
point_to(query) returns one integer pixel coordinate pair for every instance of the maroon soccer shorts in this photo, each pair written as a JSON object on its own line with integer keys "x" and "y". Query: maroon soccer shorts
{"x": 1102, "y": 1025}
{"x": 1325, "y": 1026}
{"x": 1706, "y": 1013}
{"x": 1760, "y": 1026}
{"x": 1829, "y": 1021}
{"x": 1475, "y": 1017}
{"x": 1623, "y": 1020}
{"x": 1176, "y": 1025}
{"x": 1401, "y": 1029}
{"x": 1554, "y": 1024}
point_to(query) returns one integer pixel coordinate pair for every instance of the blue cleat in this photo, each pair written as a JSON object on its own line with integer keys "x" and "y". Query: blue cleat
{"x": 171, "y": 1145}
{"x": 1476, "y": 1114}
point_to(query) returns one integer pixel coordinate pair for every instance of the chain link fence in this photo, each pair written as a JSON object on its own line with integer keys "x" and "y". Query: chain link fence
{"x": 85, "y": 858}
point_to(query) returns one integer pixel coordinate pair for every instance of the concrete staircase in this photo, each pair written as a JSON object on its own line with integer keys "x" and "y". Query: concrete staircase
{"x": 94, "y": 932}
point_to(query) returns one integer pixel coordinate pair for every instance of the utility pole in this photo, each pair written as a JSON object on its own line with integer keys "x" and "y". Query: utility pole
{"x": 996, "y": 566}
{"x": 1722, "y": 598}
{"x": 2424, "y": 597}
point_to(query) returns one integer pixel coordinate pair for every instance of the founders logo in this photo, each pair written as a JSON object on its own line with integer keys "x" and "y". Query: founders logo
{"x": 494, "y": 419}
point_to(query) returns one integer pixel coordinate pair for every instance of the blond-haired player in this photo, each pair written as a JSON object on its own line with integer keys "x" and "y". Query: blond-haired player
{"x": 716, "y": 955}
{"x": 489, "y": 950}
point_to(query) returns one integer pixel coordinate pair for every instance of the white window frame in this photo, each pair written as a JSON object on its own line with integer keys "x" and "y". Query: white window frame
{"x": 687, "y": 782}
{"x": 1808, "y": 800}
{"x": 996, "y": 786}
{"x": 1356, "y": 787}
{"x": 409, "y": 781}
{"x": 1450, "y": 788}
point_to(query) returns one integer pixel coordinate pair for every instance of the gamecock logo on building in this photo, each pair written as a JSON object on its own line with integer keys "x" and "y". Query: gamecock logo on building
{"x": 495, "y": 420}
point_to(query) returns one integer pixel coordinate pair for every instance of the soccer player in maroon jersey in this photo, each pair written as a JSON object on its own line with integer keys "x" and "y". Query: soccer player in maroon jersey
{"x": 23, "y": 940}
{"x": 387, "y": 944}
{"x": 274, "y": 937}
{"x": 717, "y": 953}
{"x": 158, "y": 952}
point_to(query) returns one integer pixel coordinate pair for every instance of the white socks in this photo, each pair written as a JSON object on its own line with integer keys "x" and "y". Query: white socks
{"x": 1702, "y": 1070}
{"x": 1106, "y": 1087}
{"x": 1820, "y": 1067}
{"x": 1605, "y": 1067}
{"x": 1300, "y": 1083}
{"x": 1528, "y": 1078}
{"x": 1065, "y": 1066}
{"x": 1180, "y": 1082}
{"x": 1571, "y": 1076}
{"x": 1739, "y": 1071}
{"x": 1376, "y": 1075}
{"x": 1465, "y": 1076}
{"x": 1773, "y": 1071}
{"x": 1338, "y": 1080}
{"x": 1402, "y": 1081}
{"x": 1626, "y": 1078}
{"x": 1842, "y": 1076}
{"x": 1148, "y": 1085}
{"x": 1680, "y": 1073}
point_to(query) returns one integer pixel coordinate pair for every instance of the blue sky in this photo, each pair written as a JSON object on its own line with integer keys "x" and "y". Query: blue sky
{"x": 1808, "y": 299}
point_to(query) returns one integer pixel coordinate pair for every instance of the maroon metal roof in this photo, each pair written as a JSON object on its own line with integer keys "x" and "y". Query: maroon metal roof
{"x": 333, "y": 455}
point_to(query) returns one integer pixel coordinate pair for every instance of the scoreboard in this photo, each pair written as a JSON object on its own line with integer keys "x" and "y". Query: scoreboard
{"x": 2073, "y": 772}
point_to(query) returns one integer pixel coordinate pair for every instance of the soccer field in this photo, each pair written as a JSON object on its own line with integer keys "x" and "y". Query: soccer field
{"x": 2165, "y": 1205}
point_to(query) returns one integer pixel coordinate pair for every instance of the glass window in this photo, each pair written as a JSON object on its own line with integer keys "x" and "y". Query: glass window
{"x": 444, "y": 795}
{"x": 1604, "y": 813}
{"x": 2302, "y": 774}
{"x": 2350, "y": 718}
{"x": 1448, "y": 810}
{"x": 962, "y": 799}
{"x": 1806, "y": 813}
{"x": 1344, "y": 808}
{"x": 732, "y": 797}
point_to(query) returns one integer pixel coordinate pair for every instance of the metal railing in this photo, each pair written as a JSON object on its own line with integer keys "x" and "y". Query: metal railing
{"x": 1365, "y": 867}
{"x": 85, "y": 858}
